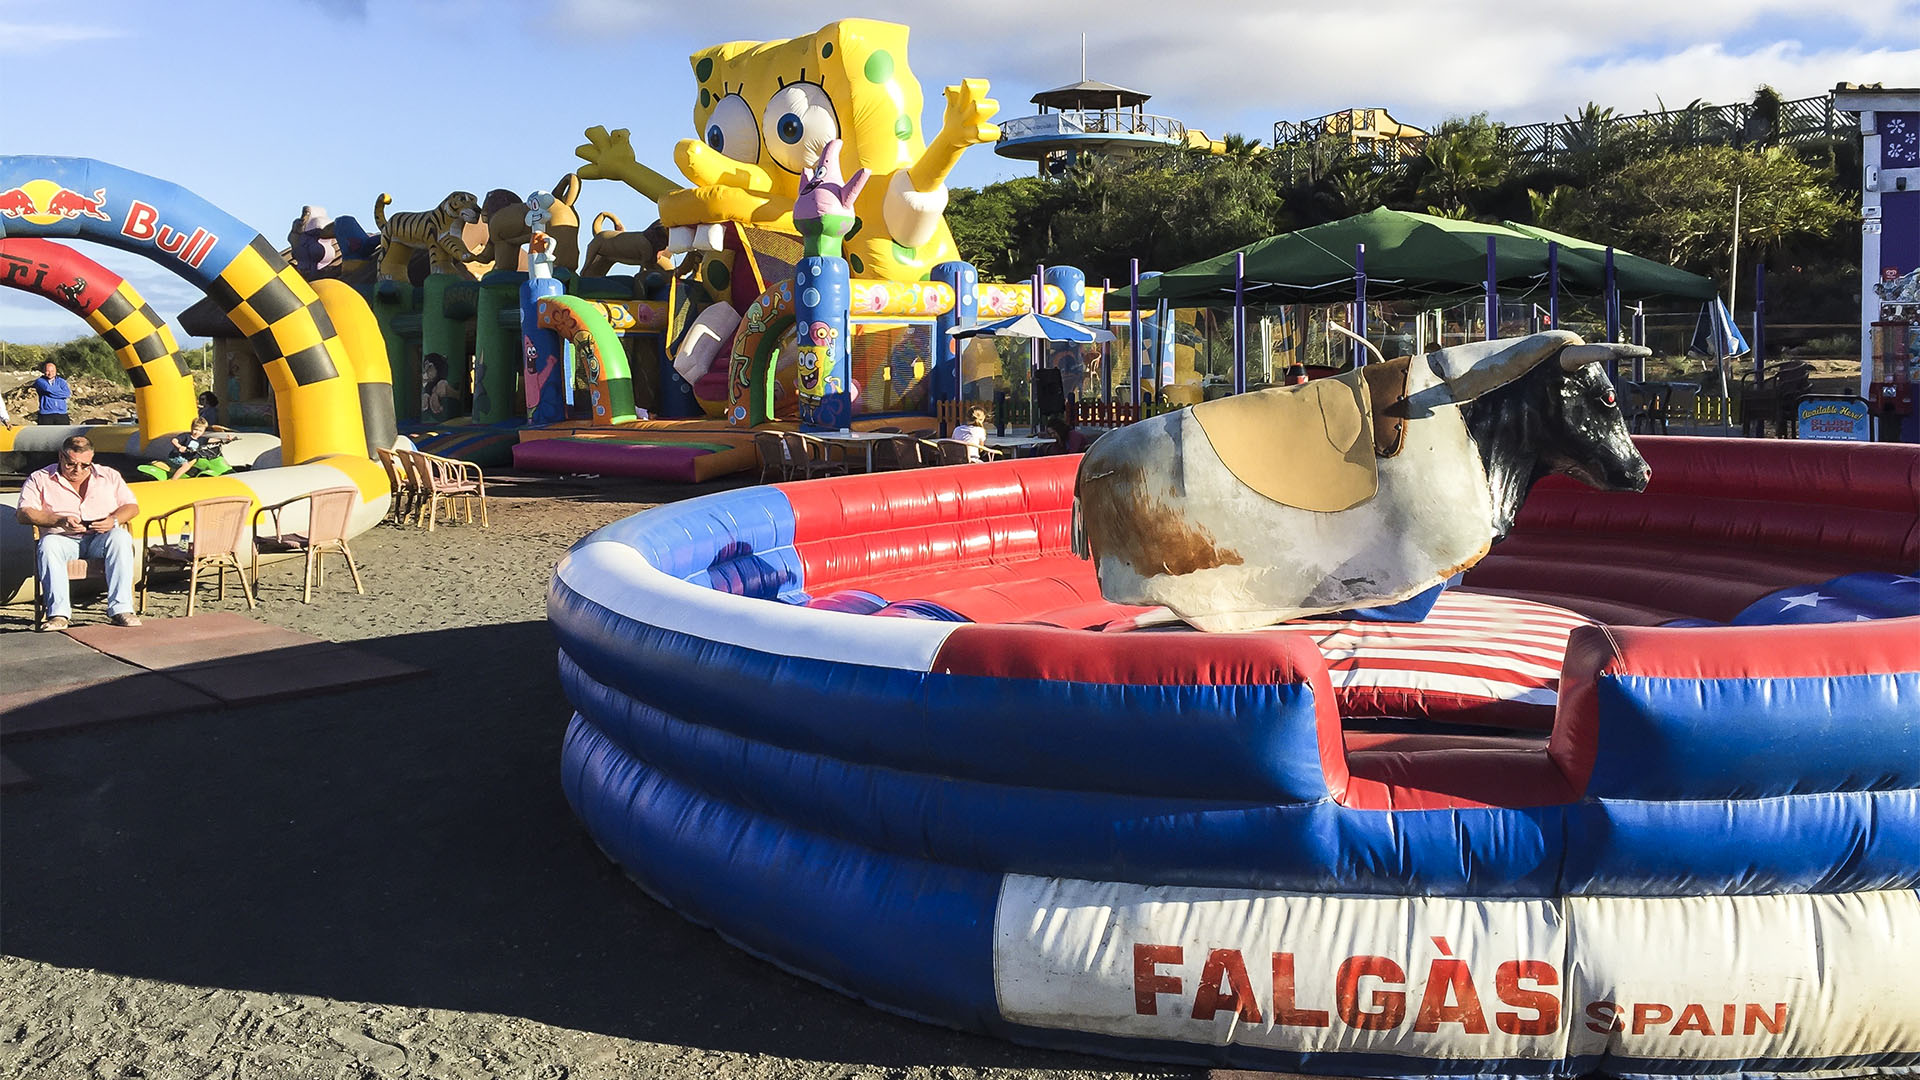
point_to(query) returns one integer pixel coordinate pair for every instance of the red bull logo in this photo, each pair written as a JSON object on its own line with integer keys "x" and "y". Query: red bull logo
{"x": 16, "y": 203}
{"x": 43, "y": 202}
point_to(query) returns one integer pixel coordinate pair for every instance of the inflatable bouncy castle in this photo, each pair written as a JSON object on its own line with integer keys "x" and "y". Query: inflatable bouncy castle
{"x": 1617, "y": 805}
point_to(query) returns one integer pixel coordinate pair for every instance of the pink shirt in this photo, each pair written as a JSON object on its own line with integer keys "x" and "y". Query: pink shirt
{"x": 46, "y": 489}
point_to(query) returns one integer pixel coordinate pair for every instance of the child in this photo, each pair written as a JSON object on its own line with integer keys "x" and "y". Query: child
{"x": 192, "y": 447}
{"x": 973, "y": 432}
{"x": 209, "y": 406}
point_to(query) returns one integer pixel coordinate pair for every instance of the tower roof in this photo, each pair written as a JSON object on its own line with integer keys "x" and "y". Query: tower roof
{"x": 1089, "y": 93}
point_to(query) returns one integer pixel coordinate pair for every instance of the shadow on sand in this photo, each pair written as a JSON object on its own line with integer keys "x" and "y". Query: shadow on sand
{"x": 406, "y": 844}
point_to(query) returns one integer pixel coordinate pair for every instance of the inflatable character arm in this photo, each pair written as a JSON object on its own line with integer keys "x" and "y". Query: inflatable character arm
{"x": 917, "y": 195}
{"x": 609, "y": 156}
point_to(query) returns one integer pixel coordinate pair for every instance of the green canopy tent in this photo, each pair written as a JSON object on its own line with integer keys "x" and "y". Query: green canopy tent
{"x": 1583, "y": 269}
{"x": 1407, "y": 255}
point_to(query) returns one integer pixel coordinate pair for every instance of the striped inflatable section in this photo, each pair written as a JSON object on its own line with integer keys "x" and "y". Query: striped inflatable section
{"x": 1168, "y": 845}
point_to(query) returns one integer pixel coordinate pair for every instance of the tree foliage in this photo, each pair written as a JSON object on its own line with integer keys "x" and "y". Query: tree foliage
{"x": 1642, "y": 185}
{"x": 1678, "y": 207}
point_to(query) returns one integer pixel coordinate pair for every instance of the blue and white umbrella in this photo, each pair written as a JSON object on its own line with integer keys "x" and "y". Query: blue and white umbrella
{"x": 1716, "y": 334}
{"x": 1042, "y": 327}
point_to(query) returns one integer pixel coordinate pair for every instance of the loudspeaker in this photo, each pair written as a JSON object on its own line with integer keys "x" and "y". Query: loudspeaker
{"x": 1049, "y": 397}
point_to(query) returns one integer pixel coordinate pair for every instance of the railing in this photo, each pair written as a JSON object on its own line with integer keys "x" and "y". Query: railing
{"x": 1311, "y": 147}
{"x": 1102, "y": 122}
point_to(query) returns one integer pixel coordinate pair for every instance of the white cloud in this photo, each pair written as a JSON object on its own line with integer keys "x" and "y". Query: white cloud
{"x": 24, "y": 37}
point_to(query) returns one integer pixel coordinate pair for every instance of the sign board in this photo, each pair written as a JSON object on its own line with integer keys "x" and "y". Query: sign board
{"x": 1833, "y": 418}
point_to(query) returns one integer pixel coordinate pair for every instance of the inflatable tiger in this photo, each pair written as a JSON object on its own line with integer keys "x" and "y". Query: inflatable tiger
{"x": 437, "y": 231}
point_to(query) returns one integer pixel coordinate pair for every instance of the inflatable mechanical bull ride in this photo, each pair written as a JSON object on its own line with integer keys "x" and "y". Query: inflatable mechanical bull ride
{"x": 1352, "y": 492}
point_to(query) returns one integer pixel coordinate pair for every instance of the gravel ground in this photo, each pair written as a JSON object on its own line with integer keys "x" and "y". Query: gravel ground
{"x": 388, "y": 882}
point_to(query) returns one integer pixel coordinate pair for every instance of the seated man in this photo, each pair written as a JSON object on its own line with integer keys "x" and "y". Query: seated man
{"x": 80, "y": 508}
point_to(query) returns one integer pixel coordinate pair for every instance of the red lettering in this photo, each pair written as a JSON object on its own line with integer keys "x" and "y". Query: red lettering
{"x": 197, "y": 247}
{"x": 1726, "y": 1019}
{"x": 1390, "y": 1006}
{"x": 1147, "y": 980}
{"x": 140, "y": 219}
{"x": 1546, "y": 1007}
{"x": 1284, "y": 1012}
{"x": 1237, "y": 994}
{"x": 1693, "y": 1018}
{"x": 1449, "y": 978}
{"x": 1775, "y": 1024}
{"x": 1603, "y": 1017}
{"x": 169, "y": 241}
{"x": 1648, "y": 1013}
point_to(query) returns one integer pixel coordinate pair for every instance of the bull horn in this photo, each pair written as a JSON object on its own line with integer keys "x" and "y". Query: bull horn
{"x": 1575, "y": 357}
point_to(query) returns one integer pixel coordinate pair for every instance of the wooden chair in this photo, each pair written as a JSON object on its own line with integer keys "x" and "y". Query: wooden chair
{"x": 329, "y": 513}
{"x": 814, "y": 456}
{"x": 219, "y": 529}
{"x": 403, "y": 492}
{"x": 77, "y": 570}
{"x": 775, "y": 458}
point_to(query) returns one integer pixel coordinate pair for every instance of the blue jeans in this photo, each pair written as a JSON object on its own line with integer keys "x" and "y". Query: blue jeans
{"x": 57, "y": 551}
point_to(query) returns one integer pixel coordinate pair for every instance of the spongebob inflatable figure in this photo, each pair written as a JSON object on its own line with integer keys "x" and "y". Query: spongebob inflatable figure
{"x": 765, "y": 112}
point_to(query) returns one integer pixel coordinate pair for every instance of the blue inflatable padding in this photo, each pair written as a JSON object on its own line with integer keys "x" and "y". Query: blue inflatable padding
{"x": 1312, "y": 846}
{"x": 912, "y": 935}
{"x": 917, "y": 938}
{"x": 1411, "y": 610}
{"x": 1254, "y": 742}
{"x": 853, "y": 601}
{"x": 1848, "y": 598}
{"x": 742, "y": 544}
{"x": 1805, "y": 843}
{"x": 1754, "y": 738}
{"x": 921, "y": 609}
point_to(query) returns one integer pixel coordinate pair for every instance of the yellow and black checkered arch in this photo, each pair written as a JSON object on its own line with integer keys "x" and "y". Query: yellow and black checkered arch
{"x": 162, "y": 385}
{"x": 315, "y": 393}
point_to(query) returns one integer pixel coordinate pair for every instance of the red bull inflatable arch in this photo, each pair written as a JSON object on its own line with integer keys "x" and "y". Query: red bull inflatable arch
{"x": 319, "y": 402}
{"x": 319, "y": 347}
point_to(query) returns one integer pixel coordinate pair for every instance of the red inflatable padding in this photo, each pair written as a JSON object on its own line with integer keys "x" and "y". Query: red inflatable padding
{"x": 1868, "y": 476}
{"x": 1047, "y": 652}
{"x": 860, "y": 531}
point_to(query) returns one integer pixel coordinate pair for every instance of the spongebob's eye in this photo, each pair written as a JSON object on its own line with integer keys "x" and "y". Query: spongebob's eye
{"x": 732, "y": 131}
{"x": 801, "y": 123}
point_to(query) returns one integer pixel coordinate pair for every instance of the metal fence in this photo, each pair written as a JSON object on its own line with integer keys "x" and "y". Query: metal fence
{"x": 1308, "y": 149}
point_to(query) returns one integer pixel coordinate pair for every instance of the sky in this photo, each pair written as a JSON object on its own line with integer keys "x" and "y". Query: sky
{"x": 264, "y": 106}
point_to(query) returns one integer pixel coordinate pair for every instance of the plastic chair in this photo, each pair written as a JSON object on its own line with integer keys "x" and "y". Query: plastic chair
{"x": 771, "y": 446}
{"x": 77, "y": 570}
{"x": 955, "y": 452}
{"x": 329, "y": 512}
{"x": 813, "y": 455}
{"x": 219, "y": 529}
{"x": 403, "y": 491}
{"x": 439, "y": 478}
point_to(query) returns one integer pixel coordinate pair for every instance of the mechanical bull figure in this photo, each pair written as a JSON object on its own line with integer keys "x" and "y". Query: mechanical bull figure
{"x": 1357, "y": 491}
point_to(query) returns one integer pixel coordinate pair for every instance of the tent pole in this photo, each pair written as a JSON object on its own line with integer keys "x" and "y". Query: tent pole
{"x": 1035, "y": 355}
{"x": 1133, "y": 270}
{"x": 1493, "y": 289}
{"x": 1359, "y": 303}
{"x": 1239, "y": 322}
{"x": 1759, "y": 320}
{"x": 1640, "y": 338}
{"x": 1613, "y": 316}
{"x": 1106, "y": 349}
{"x": 1553, "y": 285}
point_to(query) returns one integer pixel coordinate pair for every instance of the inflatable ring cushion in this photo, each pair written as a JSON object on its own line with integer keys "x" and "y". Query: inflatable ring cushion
{"x": 964, "y": 805}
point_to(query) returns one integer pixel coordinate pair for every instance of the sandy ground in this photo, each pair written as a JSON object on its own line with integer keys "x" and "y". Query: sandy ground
{"x": 388, "y": 882}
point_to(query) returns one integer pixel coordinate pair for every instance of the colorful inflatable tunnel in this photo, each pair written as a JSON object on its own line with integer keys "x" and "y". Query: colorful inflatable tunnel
{"x": 310, "y": 362}
{"x": 883, "y": 731}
